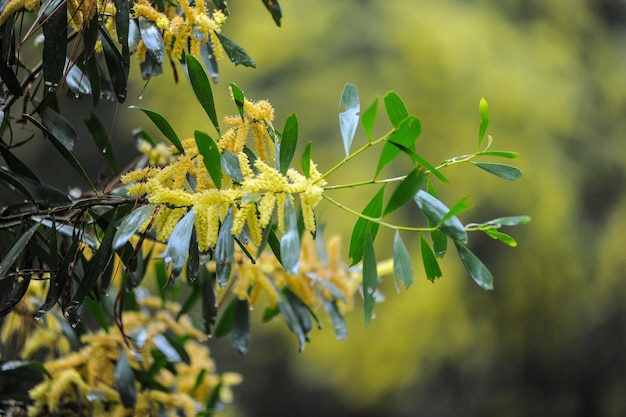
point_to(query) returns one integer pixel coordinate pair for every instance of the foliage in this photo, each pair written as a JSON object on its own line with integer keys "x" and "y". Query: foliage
{"x": 226, "y": 211}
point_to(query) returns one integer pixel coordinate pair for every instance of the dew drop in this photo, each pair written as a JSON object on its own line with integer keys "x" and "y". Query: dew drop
{"x": 104, "y": 150}
{"x": 76, "y": 95}
{"x": 37, "y": 316}
{"x": 73, "y": 325}
{"x": 140, "y": 96}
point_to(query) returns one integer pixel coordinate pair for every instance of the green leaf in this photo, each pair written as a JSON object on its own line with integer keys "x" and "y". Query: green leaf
{"x": 396, "y": 110}
{"x": 370, "y": 277}
{"x": 406, "y": 190}
{"x": 374, "y": 210}
{"x": 131, "y": 223}
{"x": 502, "y": 237}
{"x": 405, "y": 134}
{"x": 202, "y": 88}
{"x": 369, "y": 117}
{"x": 117, "y": 64}
{"x": 76, "y": 80}
{"x": 291, "y": 318}
{"x": 483, "y": 109}
{"x": 178, "y": 243}
{"x": 193, "y": 264}
{"x": 402, "y": 266}
{"x": 239, "y": 98}
{"x": 209, "y": 304}
{"x": 230, "y": 165}
{"x": 274, "y": 8}
{"x": 102, "y": 140}
{"x": 122, "y": 20}
{"x": 59, "y": 127}
{"x": 288, "y": 142}
{"x": 240, "y": 331}
{"x": 63, "y": 151}
{"x": 502, "y": 154}
{"x": 210, "y": 156}
{"x": 459, "y": 207}
{"x": 125, "y": 380}
{"x": 510, "y": 221}
{"x": 225, "y": 321}
{"x": 418, "y": 160}
{"x": 210, "y": 61}
{"x": 225, "y": 250}
{"x": 23, "y": 371}
{"x": 435, "y": 211}
{"x": 10, "y": 80}
{"x": 15, "y": 251}
{"x": 152, "y": 39}
{"x": 339, "y": 324}
{"x": 349, "y": 119}
{"x": 98, "y": 312}
{"x": 235, "y": 52}
{"x": 507, "y": 172}
{"x": 290, "y": 241}
{"x": 54, "y": 46}
{"x": 431, "y": 266}
{"x": 163, "y": 125}
{"x": 16, "y": 165}
{"x": 439, "y": 239}
{"x": 477, "y": 270}
{"x": 41, "y": 194}
{"x": 306, "y": 160}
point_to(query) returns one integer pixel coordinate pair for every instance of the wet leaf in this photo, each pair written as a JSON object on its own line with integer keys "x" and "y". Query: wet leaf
{"x": 54, "y": 46}
{"x": 240, "y": 331}
{"x": 125, "y": 380}
{"x": 209, "y": 303}
{"x": 101, "y": 138}
{"x": 477, "y": 270}
{"x": 235, "y": 52}
{"x": 152, "y": 39}
{"x": 288, "y": 142}
{"x": 163, "y": 125}
{"x": 10, "y": 80}
{"x": 290, "y": 241}
{"x": 42, "y": 195}
{"x": 16, "y": 250}
{"x": 349, "y": 118}
{"x": 225, "y": 321}
{"x": 370, "y": 278}
{"x": 178, "y": 243}
{"x": 76, "y": 80}
{"x": 59, "y": 127}
{"x": 225, "y": 250}
{"x": 402, "y": 266}
{"x": 274, "y": 8}
{"x": 202, "y": 88}
{"x": 117, "y": 65}
{"x": 210, "y": 61}
{"x": 230, "y": 165}
{"x": 57, "y": 282}
{"x": 506, "y": 172}
{"x": 339, "y": 324}
{"x": 435, "y": 211}
{"x": 131, "y": 223}
{"x": 210, "y": 156}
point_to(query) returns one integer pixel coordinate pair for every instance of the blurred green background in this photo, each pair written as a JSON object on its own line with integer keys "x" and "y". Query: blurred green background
{"x": 550, "y": 340}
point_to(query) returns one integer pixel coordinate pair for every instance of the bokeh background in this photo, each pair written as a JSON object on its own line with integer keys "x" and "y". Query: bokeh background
{"x": 550, "y": 340}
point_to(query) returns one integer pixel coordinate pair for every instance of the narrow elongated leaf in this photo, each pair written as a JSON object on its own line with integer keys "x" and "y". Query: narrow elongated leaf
{"x": 230, "y": 165}
{"x": 63, "y": 151}
{"x": 238, "y": 97}
{"x": 202, "y": 88}
{"x": 459, "y": 207}
{"x": 431, "y": 266}
{"x": 370, "y": 277}
{"x": 288, "y": 142}
{"x": 152, "y": 39}
{"x": 339, "y": 324}
{"x": 163, "y": 125}
{"x": 102, "y": 141}
{"x": 396, "y": 110}
{"x": 131, "y": 223}
{"x": 502, "y": 237}
{"x": 193, "y": 263}
{"x": 402, "y": 266}
{"x": 209, "y": 304}
{"x": 306, "y": 160}
{"x": 225, "y": 250}
{"x": 117, "y": 65}
{"x": 502, "y": 154}
{"x": 125, "y": 380}
{"x": 15, "y": 251}
{"x": 349, "y": 118}
{"x": 54, "y": 46}
{"x": 477, "y": 270}
{"x": 240, "y": 332}
{"x": 439, "y": 239}
{"x": 291, "y": 318}
{"x": 122, "y": 23}
{"x": 435, "y": 211}
{"x": 419, "y": 160}
{"x": 210, "y": 156}
{"x": 41, "y": 194}
{"x": 483, "y": 109}
{"x": 406, "y": 190}
{"x": 10, "y": 80}
{"x": 369, "y": 118}
{"x": 274, "y": 8}
{"x": 210, "y": 61}
{"x": 235, "y": 52}
{"x": 57, "y": 282}
{"x": 405, "y": 134}
{"x": 225, "y": 321}
{"x": 290, "y": 241}
{"x": 75, "y": 79}
{"x": 510, "y": 221}
{"x": 16, "y": 165}
{"x": 374, "y": 210}
{"x": 507, "y": 172}
{"x": 178, "y": 243}
{"x": 59, "y": 127}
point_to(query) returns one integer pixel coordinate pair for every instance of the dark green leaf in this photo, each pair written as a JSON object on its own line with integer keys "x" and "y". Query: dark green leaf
{"x": 15, "y": 251}
{"x": 93, "y": 72}
{"x": 238, "y": 97}
{"x": 131, "y": 223}
{"x": 178, "y": 243}
{"x": 225, "y": 250}
{"x": 370, "y": 277}
{"x": 374, "y": 210}
{"x": 76, "y": 80}
{"x": 406, "y": 190}
{"x": 369, "y": 117}
{"x": 209, "y": 304}
{"x": 306, "y": 160}
{"x": 210, "y": 156}
{"x": 235, "y": 52}
{"x": 163, "y": 125}
{"x": 230, "y": 165}
{"x": 502, "y": 154}
{"x": 16, "y": 165}
{"x": 240, "y": 332}
{"x": 290, "y": 241}
{"x": 125, "y": 380}
{"x": 435, "y": 211}
{"x": 210, "y": 61}
{"x": 23, "y": 371}
{"x": 292, "y": 320}
{"x": 274, "y": 243}
{"x": 117, "y": 65}
{"x": 507, "y": 172}
{"x": 402, "y": 267}
{"x": 98, "y": 312}
{"x": 54, "y": 46}
{"x": 59, "y": 127}
{"x": 502, "y": 237}
{"x": 10, "y": 80}
{"x": 102, "y": 140}
{"x": 339, "y": 324}
{"x": 161, "y": 278}
{"x": 439, "y": 239}
{"x": 202, "y": 88}
{"x": 349, "y": 119}
{"x": 288, "y": 142}
{"x": 431, "y": 266}
{"x": 477, "y": 270}
{"x": 41, "y": 194}
{"x": 274, "y": 8}
{"x": 405, "y": 134}
{"x": 302, "y": 312}
{"x": 396, "y": 110}
{"x": 225, "y": 321}
{"x": 193, "y": 264}
{"x": 483, "y": 109}
{"x": 122, "y": 21}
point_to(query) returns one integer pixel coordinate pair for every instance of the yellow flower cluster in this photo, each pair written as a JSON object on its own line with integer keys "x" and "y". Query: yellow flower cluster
{"x": 262, "y": 191}
{"x": 86, "y": 378}
{"x": 194, "y": 27}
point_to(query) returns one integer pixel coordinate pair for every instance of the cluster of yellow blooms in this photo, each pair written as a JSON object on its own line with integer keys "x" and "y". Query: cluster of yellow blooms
{"x": 85, "y": 379}
{"x": 262, "y": 190}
